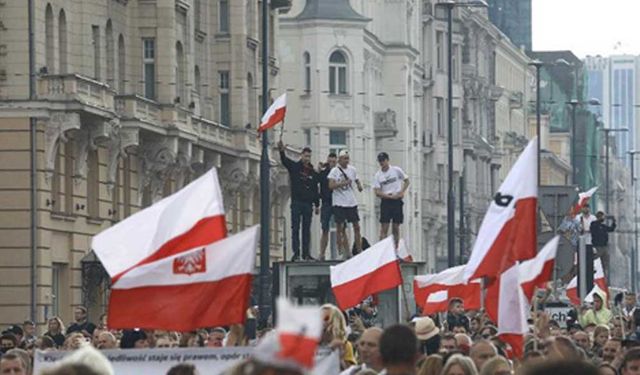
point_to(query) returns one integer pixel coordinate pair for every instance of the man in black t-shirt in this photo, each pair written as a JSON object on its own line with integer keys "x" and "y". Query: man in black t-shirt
{"x": 325, "y": 194}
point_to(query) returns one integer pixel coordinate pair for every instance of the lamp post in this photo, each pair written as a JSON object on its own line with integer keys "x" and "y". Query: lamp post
{"x": 574, "y": 104}
{"x": 634, "y": 250}
{"x": 451, "y": 200}
{"x": 606, "y": 166}
{"x": 537, "y": 64}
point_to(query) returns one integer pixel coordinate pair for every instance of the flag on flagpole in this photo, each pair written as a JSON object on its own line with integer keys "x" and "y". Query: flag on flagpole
{"x": 512, "y": 310}
{"x": 451, "y": 280}
{"x": 508, "y": 231}
{"x": 369, "y": 272}
{"x": 598, "y": 279}
{"x": 275, "y": 114}
{"x": 583, "y": 199}
{"x": 437, "y": 302}
{"x": 538, "y": 271}
{"x": 299, "y": 329}
{"x": 403, "y": 251}
{"x": 190, "y": 218}
{"x": 204, "y": 287}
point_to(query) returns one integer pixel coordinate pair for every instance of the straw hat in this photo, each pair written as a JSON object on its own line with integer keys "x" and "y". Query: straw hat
{"x": 426, "y": 328}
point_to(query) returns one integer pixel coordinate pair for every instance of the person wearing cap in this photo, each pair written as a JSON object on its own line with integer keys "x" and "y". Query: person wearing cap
{"x": 304, "y": 197}
{"x": 345, "y": 205}
{"x": 390, "y": 184}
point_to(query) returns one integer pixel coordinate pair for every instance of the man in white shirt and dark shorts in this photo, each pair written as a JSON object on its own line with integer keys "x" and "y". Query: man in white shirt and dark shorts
{"x": 390, "y": 183}
{"x": 345, "y": 205}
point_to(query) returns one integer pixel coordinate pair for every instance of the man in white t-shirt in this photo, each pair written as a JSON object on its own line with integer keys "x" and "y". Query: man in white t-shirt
{"x": 390, "y": 183}
{"x": 345, "y": 205}
{"x": 584, "y": 221}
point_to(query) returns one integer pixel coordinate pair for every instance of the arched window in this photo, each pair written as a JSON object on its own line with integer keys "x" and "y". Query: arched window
{"x": 62, "y": 41}
{"x": 110, "y": 55}
{"x": 196, "y": 78}
{"x": 251, "y": 97}
{"x": 121, "y": 66}
{"x": 307, "y": 72}
{"x": 180, "y": 73}
{"x": 338, "y": 73}
{"x": 49, "y": 44}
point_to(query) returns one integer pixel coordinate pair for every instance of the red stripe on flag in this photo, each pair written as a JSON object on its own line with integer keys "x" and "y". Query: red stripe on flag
{"x": 353, "y": 292}
{"x": 504, "y": 251}
{"x": 181, "y": 307}
{"x": 275, "y": 119}
{"x": 545, "y": 275}
{"x": 298, "y": 348}
{"x": 470, "y": 294}
{"x": 205, "y": 232}
{"x": 435, "y": 307}
{"x": 515, "y": 341}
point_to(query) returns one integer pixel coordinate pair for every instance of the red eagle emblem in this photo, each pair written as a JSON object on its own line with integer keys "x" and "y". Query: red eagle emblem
{"x": 190, "y": 264}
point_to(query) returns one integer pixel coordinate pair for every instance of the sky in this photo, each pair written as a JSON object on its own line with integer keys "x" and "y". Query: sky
{"x": 587, "y": 27}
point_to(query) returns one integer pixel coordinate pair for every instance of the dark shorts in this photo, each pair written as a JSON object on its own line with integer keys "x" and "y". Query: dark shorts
{"x": 348, "y": 214}
{"x": 391, "y": 210}
{"x": 325, "y": 216}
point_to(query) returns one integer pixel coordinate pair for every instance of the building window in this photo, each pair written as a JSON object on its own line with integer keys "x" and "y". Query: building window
{"x": 56, "y": 276}
{"x": 197, "y": 14}
{"x": 62, "y": 41}
{"x": 180, "y": 94}
{"x": 441, "y": 182}
{"x": 56, "y": 198}
{"x": 454, "y": 63}
{"x": 68, "y": 177}
{"x": 93, "y": 185}
{"x": 95, "y": 40}
{"x": 223, "y": 19}
{"x": 115, "y": 194}
{"x": 251, "y": 97}
{"x": 439, "y": 50}
{"x": 110, "y": 54}
{"x": 307, "y": 72}
{"x": 337, "y": 140}
{"x": 121, "y": 65}
{"x": 127, "y": 185}
{"x": 149, "y": 67}
{"x": 49, "y": 45}
{"x": 307, "y": 137}
{"x": 338, "y": 73}
{"x": 440, "y": 116}
{"x": 225, "y": 107}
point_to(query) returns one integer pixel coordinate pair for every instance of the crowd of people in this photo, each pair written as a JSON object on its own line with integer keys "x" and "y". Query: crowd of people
{"x": 593, "y": 340}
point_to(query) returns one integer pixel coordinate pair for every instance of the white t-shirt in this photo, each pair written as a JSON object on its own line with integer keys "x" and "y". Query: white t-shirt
{"x": 391, "y": 181}
{"x": 585, "y": 226}
{"x": 344, "y": 196}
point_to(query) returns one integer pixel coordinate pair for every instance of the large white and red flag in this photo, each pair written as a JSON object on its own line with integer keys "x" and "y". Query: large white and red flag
{"x": 450, "y": 280}
{"x": 512, "y": 310}
{"x": 508, "y": 231}
{"x": 204, "y": 287}
{"x": 583, "y": 200}
{"x": 275, "y": 114}
{"x": 191, "y": 218}
{"x": 299, "y": 329}
{"x": 369, "y": 272}
{"x": 536, "y": 272}
{"x": 437, "y": 302}
{"x": 598, "y": 279}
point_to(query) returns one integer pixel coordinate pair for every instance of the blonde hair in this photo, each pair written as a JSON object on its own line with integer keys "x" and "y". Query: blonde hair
{"x": 336, "y": 321}
{"x": 432, "y": 365}
{"x": 601, "y": 328}
{"x": 465, "y": 363}
{"x": 492, "y": 365}
{"x": 60, "y": 323}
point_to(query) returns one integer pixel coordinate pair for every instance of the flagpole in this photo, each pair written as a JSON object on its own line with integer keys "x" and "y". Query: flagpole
{"x": 264, "y": 180}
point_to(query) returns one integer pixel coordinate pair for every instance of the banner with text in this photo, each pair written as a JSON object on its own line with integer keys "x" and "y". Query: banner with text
{"x": 159, "y": 361}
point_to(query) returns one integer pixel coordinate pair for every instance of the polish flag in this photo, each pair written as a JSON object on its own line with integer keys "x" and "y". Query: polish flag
{"x": 191, "y": 218}
{"x": 299, "y": 330}
{"x": 598, "y": 280}
{"x": 583, "y": 199}
{"x": 451, "y": 280}
{"x": 508, "y": 230}
{"x": 204, "y": 287}
{"x": 538, "y": 271}
{"x": 403, "y": 251}
{"x": 275, "y": 114}
{"x": 437, "y": 302}
{"x": 367, "y": 273}
{"x": 512, "y": 310}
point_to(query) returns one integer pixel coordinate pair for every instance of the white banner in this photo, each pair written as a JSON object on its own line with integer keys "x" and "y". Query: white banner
{"x": 159, "y": 361}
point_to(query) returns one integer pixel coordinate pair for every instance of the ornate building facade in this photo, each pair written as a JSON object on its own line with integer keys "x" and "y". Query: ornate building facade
{"x": 132, "y": 100}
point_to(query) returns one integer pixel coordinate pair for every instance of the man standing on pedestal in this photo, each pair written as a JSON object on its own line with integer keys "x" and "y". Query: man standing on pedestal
{"x": 390, "y": 183}
{"x": 304, "y": 196}
{"x": 600, "y": 239}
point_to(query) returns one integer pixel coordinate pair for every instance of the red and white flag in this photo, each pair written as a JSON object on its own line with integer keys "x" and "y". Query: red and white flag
{"x": 369, "y": 272}
{"x": 451, "y": 280}
{"x": 403, "y": 251}
{"x": 275, "y": 114}
{"x": 583, "y": 199}
{"x": 508, "y": 231}
{"x": 437, "y": 302}
{"x": 512, "y": 310}
{"x": 598, "y": 279}
{"x": 204, "y": 287}
{"x": 538, "y": 271}
{"x": 191, "y": 218}
{"x": 299, "y": 329}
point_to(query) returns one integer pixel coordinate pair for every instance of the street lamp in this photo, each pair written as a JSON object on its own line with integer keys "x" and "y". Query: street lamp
{"x": 634, "y": 250}
{"x": 451, "y": 203}
{"x": 606, "y": 166}
{"x": 574, "y": 104}
{"x": 537, "y": 64}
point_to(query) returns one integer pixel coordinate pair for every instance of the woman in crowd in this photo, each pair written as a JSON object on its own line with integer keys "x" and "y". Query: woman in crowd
{"x": 432, "y": 365}
{"x": 56, "y": 329}
{"x": 600, "y": 337}
{"x": 334, "y": 334}
{"x": 458, "y": 364}
{"x": 496, "y": 366}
